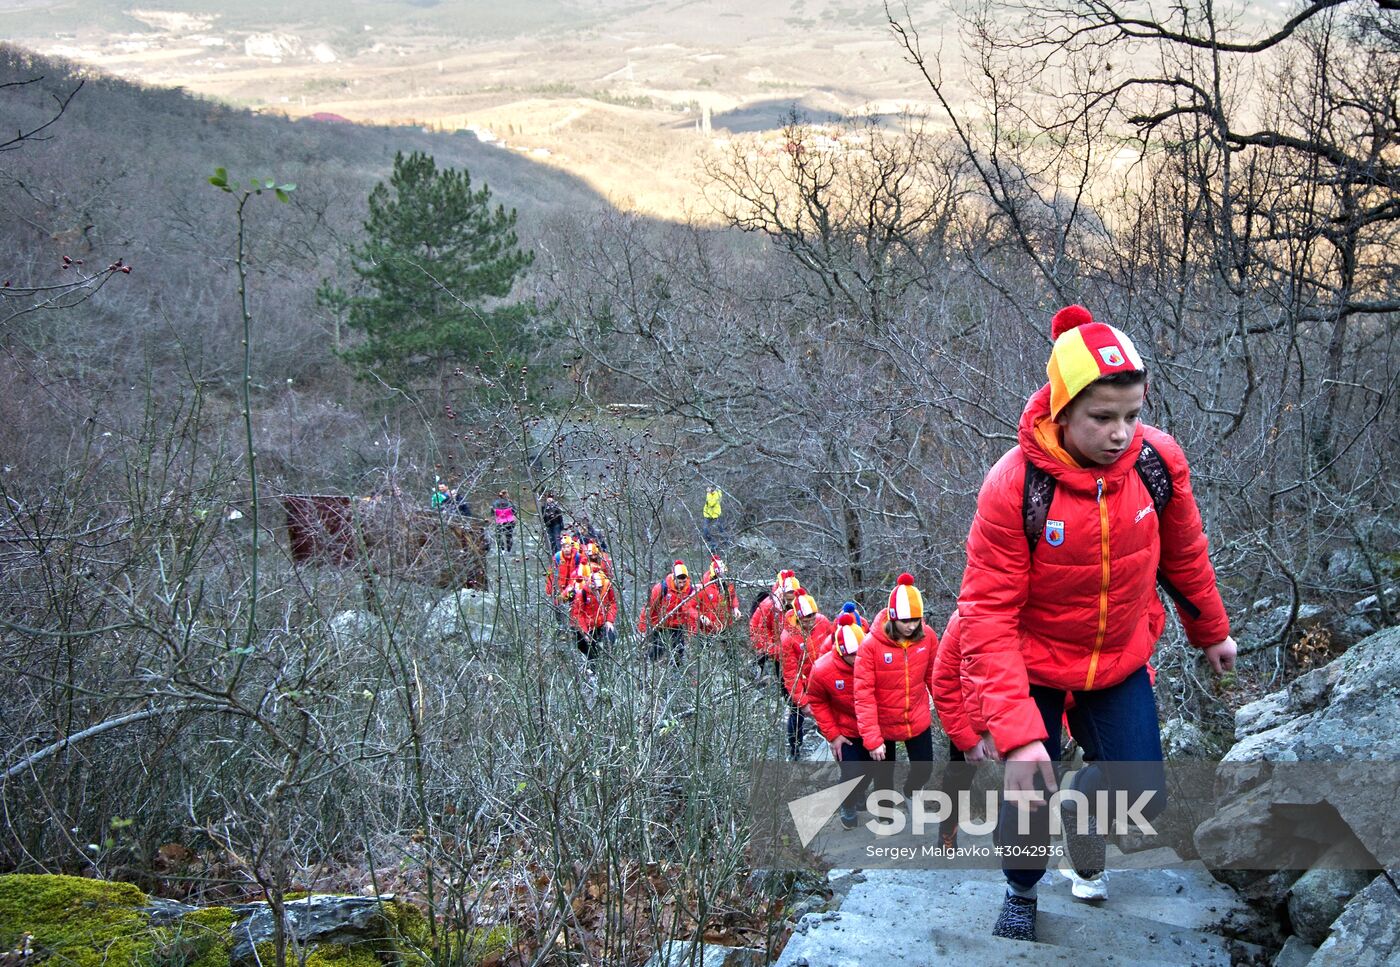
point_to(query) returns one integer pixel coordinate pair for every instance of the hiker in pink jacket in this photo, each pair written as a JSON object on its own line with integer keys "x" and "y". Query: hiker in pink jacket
{"x": 505, "y": 520}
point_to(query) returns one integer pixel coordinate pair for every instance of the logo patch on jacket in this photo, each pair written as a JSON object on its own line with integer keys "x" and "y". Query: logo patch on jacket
{"x": 1143, "y": 513}
{"x": 889, "y": 658}
{"x": 840, "y": 684}
{"x": 1111, "y": 356}
{"x": 1054, "y": 532}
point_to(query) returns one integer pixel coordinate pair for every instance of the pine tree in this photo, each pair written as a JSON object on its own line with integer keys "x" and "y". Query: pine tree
{"x": 435, "y": 264}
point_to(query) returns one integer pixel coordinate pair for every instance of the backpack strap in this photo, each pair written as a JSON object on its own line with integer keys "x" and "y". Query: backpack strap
{"x": 1036, "y": 495}
{"x": 1155, "y": 476}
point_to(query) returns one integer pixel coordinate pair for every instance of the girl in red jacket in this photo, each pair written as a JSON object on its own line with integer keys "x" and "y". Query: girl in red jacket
{"x": 894, "y": 674}
{"x": 766, "y": 622}
{"x": 831, "y": 696}
{"x": 804, "y": 641}
{"x": 960, "y": 713}
{"x": 1072, "y": 607}
{"x": 717, "y": 602}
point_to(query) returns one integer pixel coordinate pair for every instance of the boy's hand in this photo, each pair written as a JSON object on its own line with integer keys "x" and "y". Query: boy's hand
{"x": 878, "y": 753}
{"x": 1222, "y": 656}
{"x": 1023, "y": 763}
{"x": 837, "y": 744}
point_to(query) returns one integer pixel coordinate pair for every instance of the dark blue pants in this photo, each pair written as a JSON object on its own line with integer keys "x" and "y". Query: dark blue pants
{"x": 1117, "y": 729}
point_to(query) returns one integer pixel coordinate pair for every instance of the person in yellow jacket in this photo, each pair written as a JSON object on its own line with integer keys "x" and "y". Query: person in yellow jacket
{"x": 714, "y": 519}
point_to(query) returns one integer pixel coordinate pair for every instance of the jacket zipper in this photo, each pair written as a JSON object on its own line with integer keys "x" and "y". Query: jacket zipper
{"x": 1103, "y": 589}
{"x": 907, "y": 701}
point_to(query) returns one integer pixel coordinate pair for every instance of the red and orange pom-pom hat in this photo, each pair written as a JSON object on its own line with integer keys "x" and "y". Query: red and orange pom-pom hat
{"x": 1084, "y": 351}
{"x": 906, "y": 603}
{"x": 849, "y": 635}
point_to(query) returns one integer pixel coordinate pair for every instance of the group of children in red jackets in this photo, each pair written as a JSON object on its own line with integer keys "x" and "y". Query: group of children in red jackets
{"x": 1055, "y": 622}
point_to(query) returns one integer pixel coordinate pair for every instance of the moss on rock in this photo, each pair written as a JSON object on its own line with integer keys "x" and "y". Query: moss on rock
{"x": 85, "y": 923}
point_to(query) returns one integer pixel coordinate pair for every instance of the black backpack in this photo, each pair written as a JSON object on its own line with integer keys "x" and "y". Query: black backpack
{"x": 1039, "y": 490}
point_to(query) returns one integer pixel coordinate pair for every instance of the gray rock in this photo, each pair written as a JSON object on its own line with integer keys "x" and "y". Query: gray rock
{"x": 1354, "y": 627}
{"x": 313, "y": 920}
{"x": 1347, "y": 565}
{"x": 466, "y": 613}
{"x": 1319, "y": 896}
{"x": 1295, "y": 953}
{"x": 1372, "y": 605}
{"x": 1368, "y": 931}
{"x": 165, "y": 912}
{"x": 351, "y": 629}
{"x": 1265, "y": 627}
{"x": 1187, "y": 740}
{"x": 686, "y": 953}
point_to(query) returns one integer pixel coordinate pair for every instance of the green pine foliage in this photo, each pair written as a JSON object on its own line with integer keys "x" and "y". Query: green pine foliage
{"x": 434, "y": 268}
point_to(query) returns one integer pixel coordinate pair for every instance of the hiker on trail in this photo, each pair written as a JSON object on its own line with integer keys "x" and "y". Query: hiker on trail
{"x": 714, "y": 519}
{"x": 598, "y": 559}
{"x": 831, "y": 697}
{"x": 717, "y": 601}
{"x": 960, "y": 713}
{"x": 586, "y": 532}
{"x": 440, "y": 497}
{"x": 592, "y": 610}
{"x": 1073, "y": 527}
{"x": 552, "y": 516}
{"x": 670, "y": 614}
{"x": 766, "y": 619}
{"x": 462, "y": 500}
{"x": 505, "y": 520}
{"x": 894, "y": 675}
{"x": 560, "y": 578}
{"x": 805, "y": 639}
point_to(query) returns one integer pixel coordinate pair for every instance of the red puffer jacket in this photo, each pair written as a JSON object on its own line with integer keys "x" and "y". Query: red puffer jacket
{"x": 716, "y": 603}
{"x": 765, "y": 629}
{"x": 893, "y": 681}
{"x": 955, "y": 698}
{"x": 831, "y": 691}
{"x": 800, "y": 652}
{"x": 669, "y": 607}
{"x": 1082, "y": 613}
{"x": 591, "y": 609}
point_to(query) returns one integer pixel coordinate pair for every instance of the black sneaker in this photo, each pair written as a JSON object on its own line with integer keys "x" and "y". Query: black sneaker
{"x": 1017, "y": 919}
{"x": 848, "y": 817}
{"x": 1085, "y": 851}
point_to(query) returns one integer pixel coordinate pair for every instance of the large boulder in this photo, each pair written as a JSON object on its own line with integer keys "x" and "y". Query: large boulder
{"x": 1308, "y": 789}
{"x": 466, "y": 614}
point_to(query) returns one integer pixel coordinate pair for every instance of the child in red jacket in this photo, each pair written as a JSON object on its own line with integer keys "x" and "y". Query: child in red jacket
{"x": 717, "y": 601}
{"x": 1070, "y": 604}
{"x": 669, "y": 615}
{"x": 831, "y": 697}
{"x": 766, "y": 622}
{"x": 894, "y": 675}
{"x": 593, "y": 610}
{"x": 804, "y": 641}
{"x": 960, "y": 713}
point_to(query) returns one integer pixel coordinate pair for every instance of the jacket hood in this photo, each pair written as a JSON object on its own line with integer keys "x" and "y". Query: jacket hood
{"x": 1085, "y": 479}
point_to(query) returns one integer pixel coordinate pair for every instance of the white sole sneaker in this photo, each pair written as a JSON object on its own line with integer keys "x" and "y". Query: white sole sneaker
{"x": 1094, "y": 891}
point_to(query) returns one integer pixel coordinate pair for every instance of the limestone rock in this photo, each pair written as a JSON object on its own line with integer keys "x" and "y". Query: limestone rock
{"x": 1367, "y": 934}
{"x": 313, "y": 920}
{"x": 1318, "y": 898}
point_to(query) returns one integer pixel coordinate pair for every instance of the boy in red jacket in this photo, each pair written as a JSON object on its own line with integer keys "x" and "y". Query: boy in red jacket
{"x": 766, "y": 622}
{"x": 894, "y": 674}
{"x": 831, "y": 697}
{"x": 670, "y": 614}
{"x": 717, "y": 601}
{"x": 804, "y": 641}
{"x": 593, "y": 610}
{"x": 1073, "y": 608}
{"x": 960, "y": 713}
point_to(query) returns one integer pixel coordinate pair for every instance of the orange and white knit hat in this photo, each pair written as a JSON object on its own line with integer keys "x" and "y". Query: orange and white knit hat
{"x": 803, "y": 604}
{"x": 679, "y": 571}
{"x": 787, "y": 582}
{"x": 906, "y": 603}
{"x": 848, "y": 636}
{"x": 716, "y": 568}
{"x": 1084, "y": 351}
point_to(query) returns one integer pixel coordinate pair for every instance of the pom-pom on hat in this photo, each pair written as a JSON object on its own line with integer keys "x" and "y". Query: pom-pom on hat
{"x": 849, "y": 635}
{"x": 853, "y": 609}
{"x": 788, "y": 583}
{"x": 1084, "y": 351}
{"x": 804, "y": 605}
{"x": 906, "y": 603}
